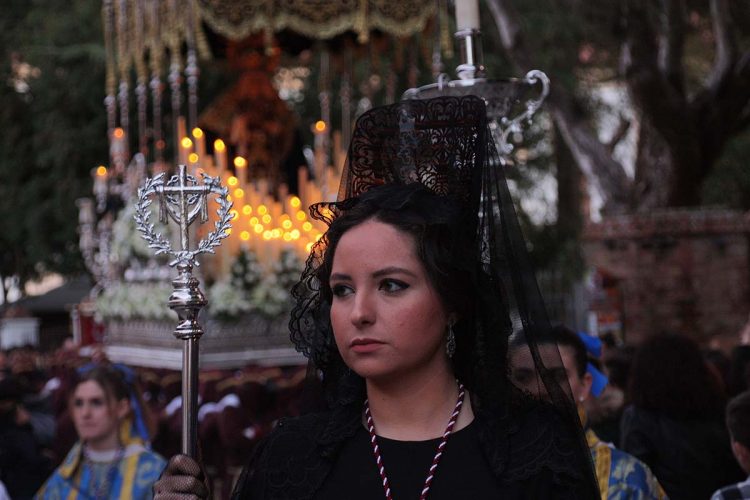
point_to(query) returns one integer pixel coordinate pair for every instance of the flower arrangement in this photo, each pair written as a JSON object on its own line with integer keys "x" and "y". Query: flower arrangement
{"x": 249, "y": 289}
{"x": 125, "y": 301}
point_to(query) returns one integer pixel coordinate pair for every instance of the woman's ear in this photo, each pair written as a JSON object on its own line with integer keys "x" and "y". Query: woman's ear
{"x": 122, "y": 408}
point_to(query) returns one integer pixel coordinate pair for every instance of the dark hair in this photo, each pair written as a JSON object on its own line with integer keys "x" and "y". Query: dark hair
{"x": 109, "y": 379}
{"x": 442, "y": 242}
{"x": 618, "y": 362}
{"x": 738, "y": 418}
{"x": 670, "y": 376}
{"x": 559, "y": 335}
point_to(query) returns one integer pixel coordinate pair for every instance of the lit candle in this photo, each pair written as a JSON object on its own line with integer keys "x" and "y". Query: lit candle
{"x": 200, "y": 142}
{"x": 186, "y": 147}
{"x": 467, "y": 14}
{"x": 240, "y": 168}
{"x": 220, "y": 154}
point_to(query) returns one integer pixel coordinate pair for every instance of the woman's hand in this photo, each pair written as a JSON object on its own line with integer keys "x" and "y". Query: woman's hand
{"x": 182, "y": 479}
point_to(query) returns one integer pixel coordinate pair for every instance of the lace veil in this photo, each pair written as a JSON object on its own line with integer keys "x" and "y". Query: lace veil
{"x": 445, "y": 144}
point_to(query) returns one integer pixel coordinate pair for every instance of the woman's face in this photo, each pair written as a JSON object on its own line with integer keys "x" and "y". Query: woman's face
{"x": 387, "y": 318}
{"x": 95, "y": 416}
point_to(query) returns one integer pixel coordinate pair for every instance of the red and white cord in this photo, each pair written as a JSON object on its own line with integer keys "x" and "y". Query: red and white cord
{"x": 435, "y": 460}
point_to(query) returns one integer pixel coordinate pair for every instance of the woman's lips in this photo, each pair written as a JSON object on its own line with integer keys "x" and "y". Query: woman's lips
{"x": 365, "y": 345}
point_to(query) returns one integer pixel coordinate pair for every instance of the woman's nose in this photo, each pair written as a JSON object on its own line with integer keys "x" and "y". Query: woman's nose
{"x": 362, "y": 312}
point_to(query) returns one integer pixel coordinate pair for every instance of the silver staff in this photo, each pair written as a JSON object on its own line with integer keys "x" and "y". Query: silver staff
{"x": 183, "y": 199}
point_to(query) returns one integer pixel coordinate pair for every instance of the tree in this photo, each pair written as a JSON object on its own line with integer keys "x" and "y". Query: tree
{"x": 688, "y": 116}
{"x": 53, "y": 132}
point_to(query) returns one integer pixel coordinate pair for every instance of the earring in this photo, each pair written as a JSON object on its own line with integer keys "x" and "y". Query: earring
{"x": 450, "y": 344}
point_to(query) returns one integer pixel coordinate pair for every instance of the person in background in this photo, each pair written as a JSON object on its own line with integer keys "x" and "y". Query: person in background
{"x": 675, "y": 422}
{"x": 111, "y": 460}
{"x": 738, "y": 423}
{"x": 23, "y": 467}
{"x": 620, "y": 475}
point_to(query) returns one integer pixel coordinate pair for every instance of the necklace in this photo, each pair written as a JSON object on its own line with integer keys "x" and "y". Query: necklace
{"x": 435, "y": 460}
{"x": 100, "y": 489}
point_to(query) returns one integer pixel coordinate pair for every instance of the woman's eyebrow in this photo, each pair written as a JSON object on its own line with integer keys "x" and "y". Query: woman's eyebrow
{"x": 393, "y": 270}
{"x": 377, "y": 274}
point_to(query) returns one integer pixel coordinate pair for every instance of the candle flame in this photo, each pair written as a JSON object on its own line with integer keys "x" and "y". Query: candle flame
{"x": 193, "y": 158}
{"x": 320, "y": 126}
{"x": 240, "y": 162}
{"x": 119, "y": 133}
{"x": 245, "y": 235}
{"x": 247, "y": 209}
{"x": 232, "y": 181}
{"x": 219, "y": 146}
{"x": 101, "y": 170}
{"x": 186, "y": 143}
{"x": 197, "y": 133}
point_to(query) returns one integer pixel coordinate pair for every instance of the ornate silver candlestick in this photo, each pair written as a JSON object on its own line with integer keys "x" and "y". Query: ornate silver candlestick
{"x": 183, "y": 199}
{"x": 511, "y": 102}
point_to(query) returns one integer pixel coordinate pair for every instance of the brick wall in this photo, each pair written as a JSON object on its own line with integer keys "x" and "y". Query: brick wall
{"x": 678, "y": 270}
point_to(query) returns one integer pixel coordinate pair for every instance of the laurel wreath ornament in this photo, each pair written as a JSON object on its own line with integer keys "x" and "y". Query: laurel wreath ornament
{"x": 156, "y": 241}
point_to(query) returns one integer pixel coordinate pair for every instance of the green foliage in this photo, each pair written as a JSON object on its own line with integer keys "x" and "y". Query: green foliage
{"x": 729, "y": 183}
{"x": 53, "y": 131}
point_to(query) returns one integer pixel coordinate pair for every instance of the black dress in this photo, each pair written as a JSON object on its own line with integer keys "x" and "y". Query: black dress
{"x": 328, "y": 456}
{"x": 463, "y": 472}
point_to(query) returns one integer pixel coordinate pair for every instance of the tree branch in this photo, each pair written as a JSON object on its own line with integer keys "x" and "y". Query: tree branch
{"x": 509, "y": 29}
{"x": 592, "y": 157}
{"x": 671, "y": 41}
{"x": 622, "y": 130}
{"x": 726, "y": 43}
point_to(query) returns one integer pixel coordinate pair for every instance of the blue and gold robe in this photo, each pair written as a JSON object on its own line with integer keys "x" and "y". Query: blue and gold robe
{"x": 621, "y": 476}
{"x": 77, "y": 478}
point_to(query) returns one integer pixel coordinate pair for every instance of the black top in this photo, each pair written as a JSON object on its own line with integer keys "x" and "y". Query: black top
{"x": 463, "y": 472}
{"x": 527, "y": 452}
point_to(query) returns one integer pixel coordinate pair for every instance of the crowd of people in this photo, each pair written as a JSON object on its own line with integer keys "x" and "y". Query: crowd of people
{"x": 433, "y": 369}
{"x": 659, "y": 418}
{"x": 46, "y": 413}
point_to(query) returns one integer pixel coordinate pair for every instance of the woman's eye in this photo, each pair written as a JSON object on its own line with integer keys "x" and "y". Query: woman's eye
{"x": 78, "y": 403}
{"x": 341, "y": 290}
{"x": 97, "y": 402}
{"x": 391, "y": 285}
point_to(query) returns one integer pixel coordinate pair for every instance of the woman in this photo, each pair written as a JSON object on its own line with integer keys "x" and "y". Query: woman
{"x": 675, "y": 422}
{"x": 111, "y": 459}
{"x": 404, "y": 310}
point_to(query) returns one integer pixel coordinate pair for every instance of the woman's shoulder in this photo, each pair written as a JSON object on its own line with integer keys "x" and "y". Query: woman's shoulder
{"x": 287, "y": 463}
{"x": 534, "y": 442}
